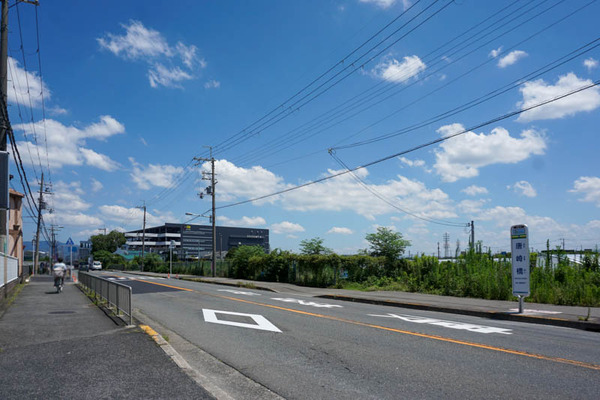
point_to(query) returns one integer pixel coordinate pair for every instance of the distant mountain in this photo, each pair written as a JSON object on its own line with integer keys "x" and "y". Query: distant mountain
{"x": 44, "y": 246}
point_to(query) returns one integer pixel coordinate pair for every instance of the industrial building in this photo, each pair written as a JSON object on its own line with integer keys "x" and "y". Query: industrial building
{"x": 195, "y": 241}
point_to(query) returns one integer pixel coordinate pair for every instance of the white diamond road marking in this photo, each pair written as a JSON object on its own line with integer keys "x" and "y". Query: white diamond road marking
{"x": 239, "y": 292}
{"x": 262, "y": 323}
{"x": 307, "y": 303}
{"x": 447, "y": 324}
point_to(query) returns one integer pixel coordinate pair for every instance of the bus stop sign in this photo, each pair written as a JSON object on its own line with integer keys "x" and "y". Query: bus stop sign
{"x": 519, "y": 246}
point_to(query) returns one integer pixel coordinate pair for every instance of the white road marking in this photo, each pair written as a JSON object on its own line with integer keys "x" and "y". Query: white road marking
{"x": 262, "y": 323}
{"x": 239, "y": 292}
{"x": 447, "y": 324}
{"x": 533, "y": 312}
{"x": 306, "y": 303}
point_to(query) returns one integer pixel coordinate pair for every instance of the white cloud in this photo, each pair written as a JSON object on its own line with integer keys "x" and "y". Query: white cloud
{"x": 411, "y": 163}
{"x": 495, "y": 52}
{"x": 149, "y": 45}
{"x": 98, "y": 160}
{"x": 462, "y": 156}
{"x": 133, "y": 216}
{"x": 344, "y": 193}
{"x": 511, "y": 58}
{"x": 160, "y": 75}
{"x": 244, "y": 221}
{"x": 241, "y": 183}
{"x": 471, "y": 207}
{"x": 67, "y": 196}
{"x": 96, "y": 185}
{"x": 524, "y": 188}
{"x": 19, "y": 92}
{"x": 68, "y": 206}
{"x": 589, "y": 187}
{"x": 286, "y": 227}
{"x": 56, "y": 110}
{"x": 341, "y": 230}
{"x": 474, "y": 190}
{"x": 381, "y": 3}
{"x": 338, "y": 194}
{"x": 65, "y": 144}
{"x": 153, "y": 175}
{"x": 137, "y": 42}
{"x": 212, "y": 84}
{"x": 188, "y": 56}
{"x": 590, "y": 64}
{"x": 393, "y": 70}
{"x": 539, "y": 91}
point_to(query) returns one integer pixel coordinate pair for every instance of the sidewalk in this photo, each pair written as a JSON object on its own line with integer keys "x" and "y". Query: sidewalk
{"x": 63, "y": 346}
{"x": 548, "y": 314}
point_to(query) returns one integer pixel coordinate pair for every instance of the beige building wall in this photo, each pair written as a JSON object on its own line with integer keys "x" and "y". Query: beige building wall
{"x": 15, "y": 228}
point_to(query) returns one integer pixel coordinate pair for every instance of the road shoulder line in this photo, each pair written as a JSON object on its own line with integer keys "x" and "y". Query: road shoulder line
{"x": 207, "y": 371}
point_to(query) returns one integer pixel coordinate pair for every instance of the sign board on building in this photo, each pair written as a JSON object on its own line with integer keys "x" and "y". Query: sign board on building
{"x": 519, "y": 246}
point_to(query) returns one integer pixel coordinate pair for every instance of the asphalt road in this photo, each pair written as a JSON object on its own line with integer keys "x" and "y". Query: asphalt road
{"x": 301, "y": 347}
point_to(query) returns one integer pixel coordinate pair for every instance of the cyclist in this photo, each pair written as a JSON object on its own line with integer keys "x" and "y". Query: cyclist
{"x": 58, "y": 271}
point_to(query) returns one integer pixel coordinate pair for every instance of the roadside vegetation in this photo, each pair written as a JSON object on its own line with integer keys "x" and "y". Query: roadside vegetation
{"x": 381, "y": 267}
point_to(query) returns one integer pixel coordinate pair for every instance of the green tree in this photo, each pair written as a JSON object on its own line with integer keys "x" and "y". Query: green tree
{"x": 314, "y": 246}
{"x": 386, "y": 243}
{"x": 110, "y": 242}
{"x": 240, "y": 261}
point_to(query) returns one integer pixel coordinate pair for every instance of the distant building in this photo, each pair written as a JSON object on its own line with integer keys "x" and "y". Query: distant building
{"x": 85, "y": 249}
{"x": 195, "y": 241}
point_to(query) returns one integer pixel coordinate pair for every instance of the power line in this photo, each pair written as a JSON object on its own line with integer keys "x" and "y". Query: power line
{"x": 375, "y": 193}
{"x": 427, "y": 144}
{"x": 280, "y": 143}
{"x": 306, "y": 87}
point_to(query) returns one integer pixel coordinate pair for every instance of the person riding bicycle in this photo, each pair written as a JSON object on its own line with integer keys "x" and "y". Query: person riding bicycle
{"x": 58, "y": 271}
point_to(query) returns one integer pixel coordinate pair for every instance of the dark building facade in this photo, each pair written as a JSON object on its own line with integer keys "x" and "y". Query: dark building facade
{"x": 195, "y": 241}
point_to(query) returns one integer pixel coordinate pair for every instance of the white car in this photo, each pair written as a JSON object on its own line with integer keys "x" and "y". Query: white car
{"x": 96, "y": 266}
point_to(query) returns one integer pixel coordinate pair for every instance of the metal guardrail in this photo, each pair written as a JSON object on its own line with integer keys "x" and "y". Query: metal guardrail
{"x": 116, "y": 294}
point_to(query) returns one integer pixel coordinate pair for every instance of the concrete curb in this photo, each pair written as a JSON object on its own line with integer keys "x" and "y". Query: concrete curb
{"x": 583, "y": 325}
{"x": 237, "y": 284}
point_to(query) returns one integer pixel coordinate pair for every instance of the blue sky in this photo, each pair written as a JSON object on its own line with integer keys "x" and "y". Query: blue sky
{"x": 133, "y": 91}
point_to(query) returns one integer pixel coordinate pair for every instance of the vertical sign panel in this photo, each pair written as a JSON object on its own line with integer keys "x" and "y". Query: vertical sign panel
{"x": 519, "y": 245}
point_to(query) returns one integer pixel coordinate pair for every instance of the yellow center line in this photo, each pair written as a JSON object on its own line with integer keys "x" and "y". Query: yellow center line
{"x": 169, "y": 286}
{"x": 385, "y": 328}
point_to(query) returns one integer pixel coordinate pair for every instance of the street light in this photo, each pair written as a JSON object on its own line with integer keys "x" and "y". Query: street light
{"x": 213, "y": 262}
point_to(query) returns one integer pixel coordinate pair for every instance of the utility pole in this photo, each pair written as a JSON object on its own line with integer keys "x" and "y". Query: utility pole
{"x": 41, "y": 206}
{"x": 473, "y": 235}
{"x": 53, "y": 252}
{"x": 213, "y": 182}
{"x": 143, "y": 235}
{"x": 438, "y": 250}
{"x": 446, "y": 245}
{"x": 4, "y": 121}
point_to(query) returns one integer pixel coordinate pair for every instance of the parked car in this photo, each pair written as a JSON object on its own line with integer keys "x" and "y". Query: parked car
{"x": 96, "y": 266}
{"x": 84, "y": 267}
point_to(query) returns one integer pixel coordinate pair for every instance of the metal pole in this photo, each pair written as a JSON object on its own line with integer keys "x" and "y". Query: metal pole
{"x": 3, "y": 129}
{"x": 520, "y": 304}
{"x": 214, "y": 227}
{"x": 36, "y": 256}
{"x": 170, "y": 261}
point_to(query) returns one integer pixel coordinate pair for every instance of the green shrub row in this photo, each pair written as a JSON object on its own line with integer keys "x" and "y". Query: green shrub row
{"x": 475, "y": 274}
